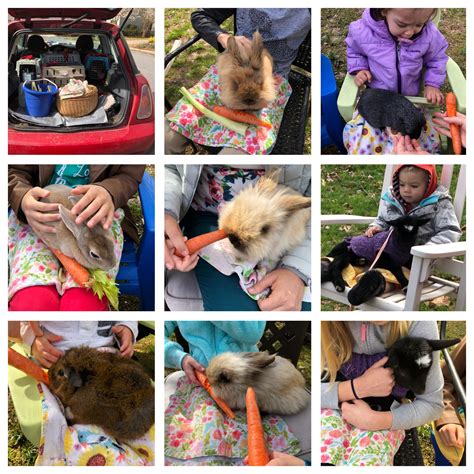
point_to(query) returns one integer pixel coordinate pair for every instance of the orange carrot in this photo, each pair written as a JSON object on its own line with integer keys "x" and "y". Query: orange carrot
{"x": 26, "y": 365}
{"x": 240, "y": 116}
{"x": 203, "y": 240}
{"x": 78, "y": 273}
{"x": 257, "y": 448}
{"x": 204, "y": 381}
{"x": 453, "y": 128}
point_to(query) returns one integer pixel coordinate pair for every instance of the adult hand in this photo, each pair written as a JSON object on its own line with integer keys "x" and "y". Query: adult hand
{"x": 174, "y": 241}
{"x": 452, "y": 434}
{"x": 189, "y": 365}
{"x": 287, "y": 291}
{"x": 280, "y": 459}
{"x": 242, "y": 41}
{"x": 36, "y": 211}
{"x": 96, "y": 204}
{"x": 434, "y": 95}
{"x": 376, "y": 381}
{"x": 404, "y": 145}
{"x": 43, "y": 350}
{"x": 359, "y": 414}
{"x": 443, "y": 123}
{"x": 125, "y": 337}
{"x": 362, "y": 77}
{"x": 372, "y": 230}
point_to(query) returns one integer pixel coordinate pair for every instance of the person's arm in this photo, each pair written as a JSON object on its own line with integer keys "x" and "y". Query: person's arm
{"x": 132, "y": 325}
{"x": 435, "y": 59}
{"x": 174, "y": 353}
{"x": 427, "y": 406}
{"x": 21, "y": 178}
{"x": 249, "y": 332}
{"x": 356, "y": 57}
{"x": 173, "y": 191}
{"x": 381, "y": 220}
{"x": 446, "y": 225}
{"x": 206, "y": 22}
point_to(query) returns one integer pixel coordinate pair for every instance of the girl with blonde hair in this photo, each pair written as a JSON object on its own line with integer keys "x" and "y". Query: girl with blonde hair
{"x": 353, "y": 355}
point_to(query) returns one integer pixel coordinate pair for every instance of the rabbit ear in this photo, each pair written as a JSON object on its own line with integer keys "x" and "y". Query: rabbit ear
{"x": 75, "y": 379}
{"x": 438, "y": 344}
{"x": 267, "y": 184}
{"x": 291, "y": 203}
{"x": 74, "y": 199}
{"x": 256, "y": 51}
{"x": 259, "y": 360}
{"x": 234, "y": 51}
{"x": 69, "y": 221}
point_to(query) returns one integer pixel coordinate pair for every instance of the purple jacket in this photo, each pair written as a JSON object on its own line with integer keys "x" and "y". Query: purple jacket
{"x": 396, "y": 66}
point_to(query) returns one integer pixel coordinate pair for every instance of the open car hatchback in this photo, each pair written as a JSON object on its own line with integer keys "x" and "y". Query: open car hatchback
{"x": 52, "y": 46}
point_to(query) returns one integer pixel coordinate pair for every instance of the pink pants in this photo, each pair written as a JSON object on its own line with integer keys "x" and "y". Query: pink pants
{"x": 46, "y": 298}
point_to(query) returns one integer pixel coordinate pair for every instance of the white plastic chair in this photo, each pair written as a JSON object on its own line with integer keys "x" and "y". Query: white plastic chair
{"x": 422, "y": 286}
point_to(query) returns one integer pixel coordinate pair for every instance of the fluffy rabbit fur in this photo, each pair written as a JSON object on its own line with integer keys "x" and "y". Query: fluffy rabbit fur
{"x": 265, "y": 220}
{"x": 104, "y": 389}
{"x": 280, "y": 388}
{"x": 245, "y": 75}
{"x": 92, "y": 248}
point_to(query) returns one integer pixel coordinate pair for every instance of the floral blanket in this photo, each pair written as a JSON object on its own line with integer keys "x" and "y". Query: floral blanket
{"x": 197, "y": 432}
{"x": 345, "y": 445}
{"x": 86, "y": 445}
{"x": 191, "y": 123}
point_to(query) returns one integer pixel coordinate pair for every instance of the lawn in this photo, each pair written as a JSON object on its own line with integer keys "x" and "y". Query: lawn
{"x": 355, "y": 190}
{"x": 334, "y": 28}
{"x": 191, "y": 65}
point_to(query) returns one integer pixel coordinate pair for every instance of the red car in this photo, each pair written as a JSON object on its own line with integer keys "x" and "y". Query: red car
{"x": 38, "y": 36}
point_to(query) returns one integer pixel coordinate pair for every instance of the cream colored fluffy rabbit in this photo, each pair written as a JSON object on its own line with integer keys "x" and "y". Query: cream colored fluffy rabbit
{"x": 92, "y": 248}
{"x": 280, "y": 388}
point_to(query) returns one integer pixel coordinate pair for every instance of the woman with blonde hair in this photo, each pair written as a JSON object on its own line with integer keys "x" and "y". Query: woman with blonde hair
{"x": 353, "y": 355}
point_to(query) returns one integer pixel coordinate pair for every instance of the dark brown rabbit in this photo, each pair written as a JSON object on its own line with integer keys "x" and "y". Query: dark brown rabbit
{"x": 104, "y": 389}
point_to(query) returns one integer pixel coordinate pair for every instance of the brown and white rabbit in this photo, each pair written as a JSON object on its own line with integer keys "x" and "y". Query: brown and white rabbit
{"x": 92, "y": 248}
{"x": 245, "y": 75}
{"x": 280, "y": 388}
{"x": 104, "y": 389}
{"x": 265, "y": 220}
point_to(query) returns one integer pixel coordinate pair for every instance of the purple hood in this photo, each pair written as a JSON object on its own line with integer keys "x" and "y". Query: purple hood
{"x": 371, "y": 46}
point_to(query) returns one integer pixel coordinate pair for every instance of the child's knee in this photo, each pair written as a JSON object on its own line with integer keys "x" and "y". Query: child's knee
{"x": 35, "y": 298}
{"x": 82, "y": 299}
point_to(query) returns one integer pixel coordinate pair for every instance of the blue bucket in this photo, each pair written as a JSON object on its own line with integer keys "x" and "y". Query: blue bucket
{"x": 39, "y": 103}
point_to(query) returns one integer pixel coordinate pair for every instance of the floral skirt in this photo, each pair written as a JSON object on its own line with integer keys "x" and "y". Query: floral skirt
{"x": 344, "y": 445}
{"x": 191, "y": 123}
{"x": 31, "y": 263}
{"x": 360, "y": 138}
{"x": 197, "y": 433}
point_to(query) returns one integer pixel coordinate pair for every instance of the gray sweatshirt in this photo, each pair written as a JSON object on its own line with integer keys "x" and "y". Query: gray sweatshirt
{"x": 427, "y": 406}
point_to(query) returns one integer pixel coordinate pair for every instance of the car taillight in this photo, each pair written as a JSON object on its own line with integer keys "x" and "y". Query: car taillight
{"x": 145, "y": 109}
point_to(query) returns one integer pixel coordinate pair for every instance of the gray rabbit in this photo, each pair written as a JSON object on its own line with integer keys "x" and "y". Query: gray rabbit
{"x": 104, "y": 389}
{"x": 92, "y": 248}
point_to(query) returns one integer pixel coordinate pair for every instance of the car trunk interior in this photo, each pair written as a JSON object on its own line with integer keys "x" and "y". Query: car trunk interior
{"x": 59, "y": 55}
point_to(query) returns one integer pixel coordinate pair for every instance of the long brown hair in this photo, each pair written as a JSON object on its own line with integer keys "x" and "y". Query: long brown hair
{"x": 337, "y": 343}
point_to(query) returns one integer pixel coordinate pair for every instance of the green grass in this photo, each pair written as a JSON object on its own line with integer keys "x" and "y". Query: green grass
{"x": 189, "y": 67}
{"x": 22, "y": 453}
{"x": 355, "y": 190}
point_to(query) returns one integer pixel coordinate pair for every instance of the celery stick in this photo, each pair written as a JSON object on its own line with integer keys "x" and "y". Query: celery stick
{"x": 230, "y": 124}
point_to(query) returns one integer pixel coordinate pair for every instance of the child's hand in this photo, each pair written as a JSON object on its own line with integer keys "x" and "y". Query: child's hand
{"x": 36, "y": 211}
{"x": 359, "y": 414}
{"x": 42, "y": 349}
{"x": 434, "y": 95}
{"x": 287, "y": 291}
{"x": 96, "y": 203}
{"x": 372, "y": 230}
{"x": 189, "y": 365}
{"x": 452, "y": 434}
{"x": 280, "y": 459}
{"x": 362, "y": 77}
{"x": 443, "y": 123}
{"x": 404, "y": 145}
{"x": 376, "y": 381}
{"x": 174, "y": 240}
{"x": 125, "y": 336}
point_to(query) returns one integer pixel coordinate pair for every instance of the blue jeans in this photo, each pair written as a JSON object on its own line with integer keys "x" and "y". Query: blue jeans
{"x": 219, "y": 292}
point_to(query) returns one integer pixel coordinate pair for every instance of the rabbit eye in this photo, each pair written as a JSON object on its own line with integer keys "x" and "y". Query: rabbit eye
{"x": 61, "y": 373}
{"x": 265, "y": 229}
{"x": 94, "y": 255}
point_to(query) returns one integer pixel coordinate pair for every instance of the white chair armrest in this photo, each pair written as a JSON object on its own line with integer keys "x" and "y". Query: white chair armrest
{"x": 345, "y": 219}
{"x": 439, "y": 250}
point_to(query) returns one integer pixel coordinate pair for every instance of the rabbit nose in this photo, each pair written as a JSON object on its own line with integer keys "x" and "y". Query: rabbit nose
{"x": 250, "y": 101}
{"x": 235, "y": 241}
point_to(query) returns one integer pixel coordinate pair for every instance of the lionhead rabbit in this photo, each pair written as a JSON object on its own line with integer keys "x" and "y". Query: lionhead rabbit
{"x": 92, "y": 248}
{"x": 104, "y": 389}
{"x": 245, "y": 75}
{"x": 280, "y": 388}
{"x": 265, "y": 220}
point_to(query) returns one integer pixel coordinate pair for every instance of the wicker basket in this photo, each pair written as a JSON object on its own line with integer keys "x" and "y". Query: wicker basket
{"x": 78, "y": 106}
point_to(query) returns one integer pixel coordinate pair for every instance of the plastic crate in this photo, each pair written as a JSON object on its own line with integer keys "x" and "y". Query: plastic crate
{"x": 23, "y": 65}
{"x": 60, "y": 74}
{"x": 60, "y": 58}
